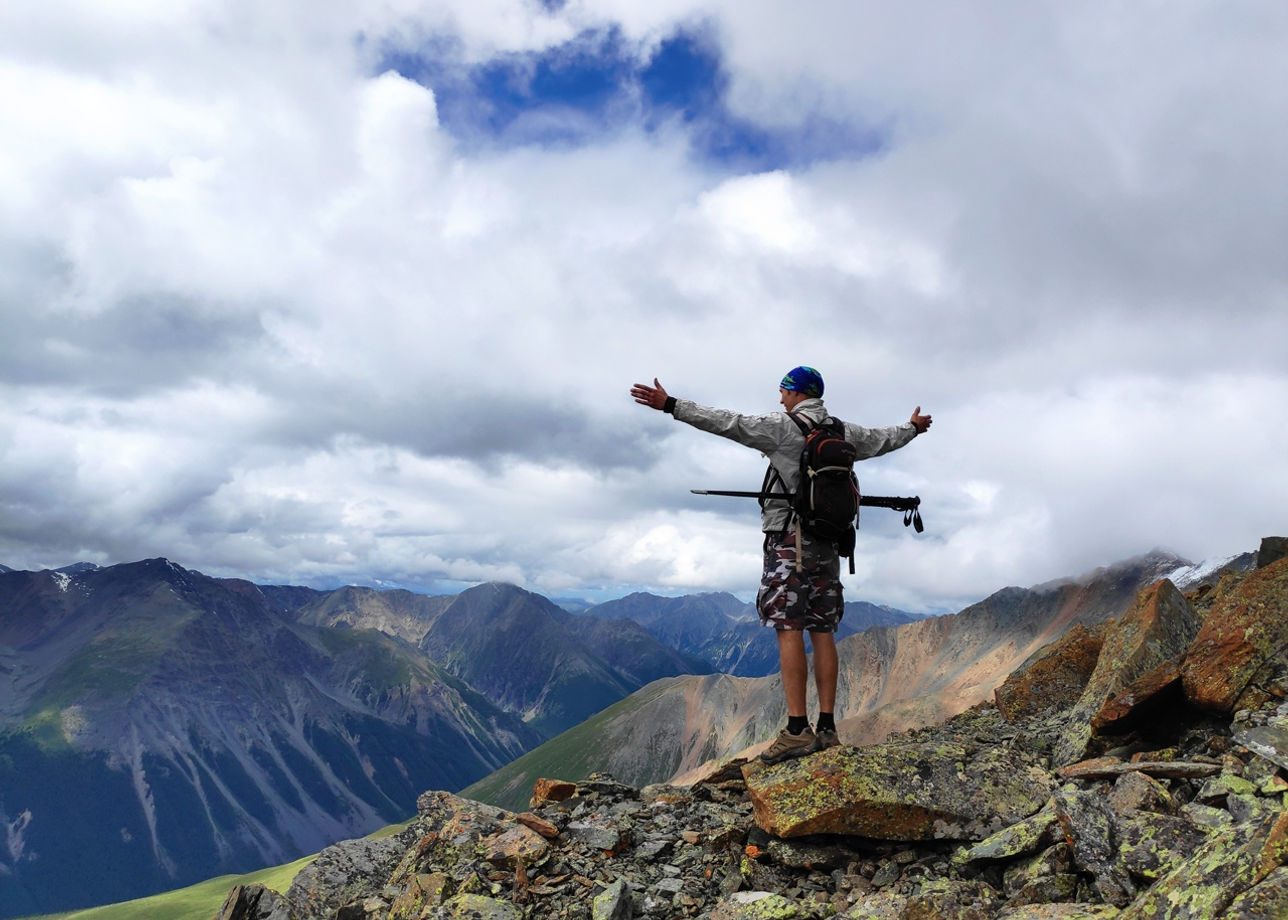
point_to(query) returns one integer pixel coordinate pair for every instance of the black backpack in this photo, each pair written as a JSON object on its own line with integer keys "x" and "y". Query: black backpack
{"x": 827, "y": 500}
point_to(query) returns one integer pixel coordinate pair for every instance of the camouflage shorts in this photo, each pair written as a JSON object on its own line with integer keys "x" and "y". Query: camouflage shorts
{"x": 806, "y": 600}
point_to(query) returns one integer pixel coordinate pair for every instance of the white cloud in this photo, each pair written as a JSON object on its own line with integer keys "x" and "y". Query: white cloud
{"x": 265, "y": 315}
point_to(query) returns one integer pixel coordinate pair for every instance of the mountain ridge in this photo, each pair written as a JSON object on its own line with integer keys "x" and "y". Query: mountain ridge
{"x": 366, "y": 679}
{"x": 214, "y": 729}
{"x": 891, "y": 678}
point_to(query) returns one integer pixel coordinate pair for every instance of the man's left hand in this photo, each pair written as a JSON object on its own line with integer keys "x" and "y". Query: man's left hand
{"x": 919, "y": 421}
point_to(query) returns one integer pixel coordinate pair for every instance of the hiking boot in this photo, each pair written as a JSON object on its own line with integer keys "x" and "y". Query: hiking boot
{"x": 825, "y": 738}
{"x": 787, "y": 746}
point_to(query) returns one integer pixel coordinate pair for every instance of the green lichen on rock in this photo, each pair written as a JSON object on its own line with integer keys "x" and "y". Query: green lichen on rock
{"x": 756, "y": 905}
{"x": 1026, "y": 836}
{"x": 1231, "y": 862}
{"x": 908, "y": 791}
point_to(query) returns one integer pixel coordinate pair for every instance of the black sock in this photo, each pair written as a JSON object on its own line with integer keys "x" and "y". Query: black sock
{"x": 826, "y": 722}
{"x": 797, "y": 724}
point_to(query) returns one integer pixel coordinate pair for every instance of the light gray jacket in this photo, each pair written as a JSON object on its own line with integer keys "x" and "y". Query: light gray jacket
{"x": 779, "y": 438}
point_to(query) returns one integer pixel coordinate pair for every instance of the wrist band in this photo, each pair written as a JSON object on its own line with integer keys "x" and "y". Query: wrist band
{"x": 669, "y": 405}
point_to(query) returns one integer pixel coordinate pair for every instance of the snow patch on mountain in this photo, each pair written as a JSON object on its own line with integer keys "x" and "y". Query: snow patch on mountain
{"x": 1190, "y": 575}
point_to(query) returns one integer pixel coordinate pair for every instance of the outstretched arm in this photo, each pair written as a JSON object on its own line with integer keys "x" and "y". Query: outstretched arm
{"x": 654, "y": 396}
{"x": 765, "y": 433}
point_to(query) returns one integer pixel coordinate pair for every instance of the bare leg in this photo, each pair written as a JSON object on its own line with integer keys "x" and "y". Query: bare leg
{"x": 825, "y": 669}
{"x": 795, "y": 669}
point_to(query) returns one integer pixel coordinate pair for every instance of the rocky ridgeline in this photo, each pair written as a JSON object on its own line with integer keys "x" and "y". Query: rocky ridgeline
{"x": 1131, "y": 771}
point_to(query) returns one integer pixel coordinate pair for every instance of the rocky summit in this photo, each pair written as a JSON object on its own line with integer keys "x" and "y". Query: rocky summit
{"x": 1135, "y": 772}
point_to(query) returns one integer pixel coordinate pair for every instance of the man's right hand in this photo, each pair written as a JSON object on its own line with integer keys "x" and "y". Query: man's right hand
{"x": 652, "y": 396}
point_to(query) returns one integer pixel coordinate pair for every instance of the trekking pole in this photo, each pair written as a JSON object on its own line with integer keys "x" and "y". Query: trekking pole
{"x": 911, "y": 507}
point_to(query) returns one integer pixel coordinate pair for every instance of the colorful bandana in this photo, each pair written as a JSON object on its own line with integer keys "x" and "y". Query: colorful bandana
{"x": 803, "y": 380}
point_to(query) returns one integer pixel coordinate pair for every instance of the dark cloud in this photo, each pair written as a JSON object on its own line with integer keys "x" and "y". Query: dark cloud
{"x": 127, "y": 349}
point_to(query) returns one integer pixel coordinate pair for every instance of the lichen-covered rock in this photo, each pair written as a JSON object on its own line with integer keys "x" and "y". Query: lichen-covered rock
{"x": 1136, "y": 791}
{"x": 1156, "y": 692}
{"x": 1068, "y": 911}
{"x": 898, "y": 792}
{"x": 959, "y": 899}
{"x": 254, "y": 902}
{"x": 476, "y": 907}
{"x": 514, "y": 846}
{"x": 613, "y": 903}
{"x": 456, "y": 820}
{"x": 1158, "y": 627}
{"x": 1087, "y": 823}
{"x": 1245, "y": 627}
{"x": 1053, "y": 861}
{"x": 755, "y": 905}
{"x": 1229, "y": 863}
{"x": 1272, "y": 549}
{"x": 1026, "y": 836}
{"x": 418, "y": 894}
{"x": 1056, "y": 677}
{"x": 1151, "y": 845}
{"x": 1267, "y": 741}
{"x": 1264, "y": 900}
{"x": 884, "y": 905}
{"x": 343, "y": 873}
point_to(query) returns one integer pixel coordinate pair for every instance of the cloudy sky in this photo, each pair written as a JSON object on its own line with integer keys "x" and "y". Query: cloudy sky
{"x": 325, "y": 292}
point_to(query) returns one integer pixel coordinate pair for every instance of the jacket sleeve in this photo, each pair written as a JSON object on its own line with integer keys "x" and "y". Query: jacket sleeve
{"x": 762, "y": 432}
{"x": 873, "y": 442}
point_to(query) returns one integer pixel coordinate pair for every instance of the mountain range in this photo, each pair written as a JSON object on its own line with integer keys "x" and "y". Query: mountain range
{"x": 726, "y": 632}
{"x": 891, "y": 678}
{"x": 158, "y": 726}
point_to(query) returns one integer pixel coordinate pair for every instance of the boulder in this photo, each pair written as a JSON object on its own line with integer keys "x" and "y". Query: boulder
{"x": 1156, "y": 693}
{"x": 1029, "y": 835}
{"x": 1267, "y": 741}
{"x": 1055, "y": 678}
{"x": 1151, "y": 845}
{"x": 1267, "y": 898}
{"x": 897, "y": 791}
{"x": 1087, "y": 823}
{"x": 1244, "y": 630}
{"x": 344, "y": 872}
{"x": 514, "y": 847}
{"x": 613, "y": 903}
{"x": 755, "y": 905}
{"x": 545, "y": 791}
{"x": 477, "y": 907}
{"x": 1231, "y": 862}
{"x": 1272, "y": 550}
{"x": 254, "y": 902}
{"x": 1159, "y": 627}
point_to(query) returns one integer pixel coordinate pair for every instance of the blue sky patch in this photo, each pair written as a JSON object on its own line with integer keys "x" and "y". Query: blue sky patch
{"x": 595, "y": 86}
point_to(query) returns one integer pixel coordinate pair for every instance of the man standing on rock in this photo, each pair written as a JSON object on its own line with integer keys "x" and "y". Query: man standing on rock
{"x": 799, "y": 591}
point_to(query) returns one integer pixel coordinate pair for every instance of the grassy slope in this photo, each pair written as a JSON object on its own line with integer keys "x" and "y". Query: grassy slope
{"x": 571, "y": 756}
{"x": 199, "y": 902}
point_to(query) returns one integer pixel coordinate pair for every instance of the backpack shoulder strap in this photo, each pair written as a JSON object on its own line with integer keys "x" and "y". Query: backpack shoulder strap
{"x": 772, "y": 478}
{"x": 801, "y": 423}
